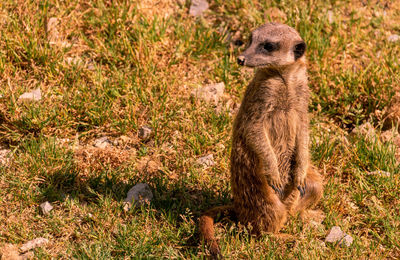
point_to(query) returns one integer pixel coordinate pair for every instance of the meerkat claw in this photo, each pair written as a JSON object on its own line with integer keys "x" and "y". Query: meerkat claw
{"x": 302, "y": 190}
{"x": 277, "y": 190}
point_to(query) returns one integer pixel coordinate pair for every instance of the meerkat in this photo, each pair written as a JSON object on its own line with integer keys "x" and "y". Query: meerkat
{"x": 271, "y": 173}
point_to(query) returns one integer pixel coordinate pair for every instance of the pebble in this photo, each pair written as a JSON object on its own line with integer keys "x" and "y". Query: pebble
{"x": 329, "y": 14}
{"x": 34, "y": 95}
{"x": 207, "y": 160}
{"x": 347, "y": 241}
{"x": 4, "y": 156}
{"x": 139, "y": 194}
{"x": 90, "y": 66}
{"x": 145, "y": 132}
{"x": 46, "y": 207}
{"x": 337, "y": 235}
{"x": 74, "y": 61}
{"x": 379, "y": 173}
{"x": 209, "y": 93}
{"x": 393, "y": 38}
{"x": 52, "y": 31}
{"x": 37, "y": 242}
{"x": 366, "y": 130}
{"x": 198, "y": 7}
{"x": 390, "y": 135}
{"x": 102, "y": 142}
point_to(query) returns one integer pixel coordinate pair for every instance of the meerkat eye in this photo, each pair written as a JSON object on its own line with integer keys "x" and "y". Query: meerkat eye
{"x": 271, "y": 46}
{"x": 299, "y": 50}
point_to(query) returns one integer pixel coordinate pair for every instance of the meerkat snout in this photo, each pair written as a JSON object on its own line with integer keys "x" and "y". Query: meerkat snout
{"x": 241, "y": 60}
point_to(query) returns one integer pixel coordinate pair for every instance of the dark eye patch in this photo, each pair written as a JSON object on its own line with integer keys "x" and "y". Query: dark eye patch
{"x": 270, "y": 46}
{"x": 299, "y": 50}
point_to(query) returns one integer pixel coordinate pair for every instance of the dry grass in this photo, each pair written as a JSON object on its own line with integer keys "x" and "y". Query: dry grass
{"x": 106, "y": 68}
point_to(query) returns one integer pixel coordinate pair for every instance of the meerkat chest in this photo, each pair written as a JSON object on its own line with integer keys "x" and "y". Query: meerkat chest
{"x": 281, "y": 126}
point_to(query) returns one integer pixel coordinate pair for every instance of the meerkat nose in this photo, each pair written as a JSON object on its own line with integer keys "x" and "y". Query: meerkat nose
{"x": 240, "y": 60}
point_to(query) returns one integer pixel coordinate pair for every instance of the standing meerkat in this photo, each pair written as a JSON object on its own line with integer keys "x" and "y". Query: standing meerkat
{"x": 271, "y": 173}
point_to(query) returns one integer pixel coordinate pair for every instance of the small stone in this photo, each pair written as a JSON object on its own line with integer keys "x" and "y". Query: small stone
{"x": 145, "y": 132}
{"x": 207, "y": 160}
{"x": 366, "y": 130}
{"x": 90, "y": 66}
{"x": 221, "y": 146}
{"x": 139, "y": 194}
{"x": 74, "y": 61}
{"x": 46, "y": 207}
{"x": 34, "y": 95}
{"x": 379, "y": 173}
{"x": 63, "y": 141}
{"x": 52, "y": 31}
{"x": 352, "y": 205}
{"x": 393, "y": 38}
{"x": 4, "y": 156}
{"x": 123, "y": 141}
{"x": 37, "y": 242}
{"x": 210, "y": 93}
{"x": 335, "y": 235}
{"x": 53, "y": 35}
{"x": 346, "y": 241}
{"x": 198, "y": 7}
{"x": 330, "y": 17}
{"x": 127, "y": 206}
{"x": 390, "y": 135}
{"x": 102, "y": 142}
{"x": 377, "y": 13}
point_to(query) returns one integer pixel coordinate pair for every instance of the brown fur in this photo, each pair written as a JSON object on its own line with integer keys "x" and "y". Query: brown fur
{"x": 270, "y": 162}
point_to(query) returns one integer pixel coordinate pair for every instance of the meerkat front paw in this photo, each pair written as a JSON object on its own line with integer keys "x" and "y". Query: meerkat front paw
{"x": 276, "y": 184}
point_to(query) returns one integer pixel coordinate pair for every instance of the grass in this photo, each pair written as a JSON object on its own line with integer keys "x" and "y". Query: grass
{"x": 109, "y": 67}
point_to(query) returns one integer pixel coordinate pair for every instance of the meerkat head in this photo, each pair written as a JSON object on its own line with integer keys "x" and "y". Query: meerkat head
{"x": 273, "y": 45}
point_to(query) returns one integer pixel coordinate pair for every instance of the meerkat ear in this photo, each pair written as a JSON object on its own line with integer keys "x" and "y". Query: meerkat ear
{"x": 299, "y": 50}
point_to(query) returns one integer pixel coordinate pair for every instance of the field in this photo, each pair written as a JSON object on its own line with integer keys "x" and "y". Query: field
{"x": 108, "y": 68}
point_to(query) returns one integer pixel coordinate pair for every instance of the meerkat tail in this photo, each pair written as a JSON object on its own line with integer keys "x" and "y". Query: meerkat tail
{"x": 207, "y": 226}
